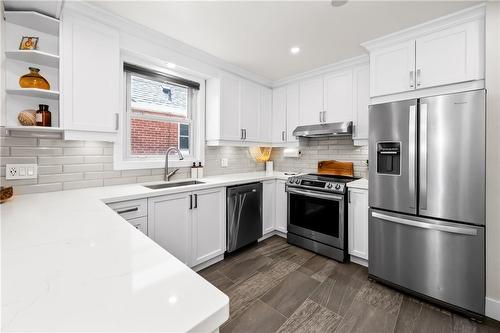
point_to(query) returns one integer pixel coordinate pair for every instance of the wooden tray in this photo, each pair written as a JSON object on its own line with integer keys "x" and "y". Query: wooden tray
{"x": 336, "y": 168}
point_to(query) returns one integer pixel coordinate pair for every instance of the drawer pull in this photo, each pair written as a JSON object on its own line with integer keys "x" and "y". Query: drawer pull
{"x": 135, "y": 209}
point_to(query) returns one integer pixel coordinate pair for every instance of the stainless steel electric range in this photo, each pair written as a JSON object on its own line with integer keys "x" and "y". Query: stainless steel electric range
{"x": 317, "y": 214}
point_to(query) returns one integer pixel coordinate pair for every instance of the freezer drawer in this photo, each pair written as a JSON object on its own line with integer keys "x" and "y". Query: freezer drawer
{"x": 438, "y": 259}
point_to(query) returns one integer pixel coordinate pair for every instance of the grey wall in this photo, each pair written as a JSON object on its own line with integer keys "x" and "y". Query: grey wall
{"x": 315, "y": 150}
{"x": 67, "y": 165}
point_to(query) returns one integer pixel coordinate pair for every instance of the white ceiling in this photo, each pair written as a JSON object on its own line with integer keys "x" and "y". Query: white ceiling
{"x": 257, "y": 35}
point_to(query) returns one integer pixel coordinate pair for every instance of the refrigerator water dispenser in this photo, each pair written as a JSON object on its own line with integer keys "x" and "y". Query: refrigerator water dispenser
{"x": 389, "y": 158}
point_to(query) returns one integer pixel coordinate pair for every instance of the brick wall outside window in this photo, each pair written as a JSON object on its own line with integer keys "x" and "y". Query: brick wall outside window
{"x": 150, "y": 137}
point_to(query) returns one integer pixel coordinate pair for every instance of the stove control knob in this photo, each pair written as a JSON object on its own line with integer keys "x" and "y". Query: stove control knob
{"x": 337, "y": 187}
{"x": 297, "y": 181}
{"x": 290, "y": 180}
{"x": 329, "y": 185}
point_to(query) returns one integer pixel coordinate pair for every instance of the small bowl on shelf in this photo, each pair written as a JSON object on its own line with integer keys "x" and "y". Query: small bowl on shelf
{"x": 6, "y": 193}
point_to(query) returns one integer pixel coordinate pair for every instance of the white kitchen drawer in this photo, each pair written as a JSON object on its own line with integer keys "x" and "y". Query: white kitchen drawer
{"x": 131, "y": 209}
{"x": 141, "y": 223}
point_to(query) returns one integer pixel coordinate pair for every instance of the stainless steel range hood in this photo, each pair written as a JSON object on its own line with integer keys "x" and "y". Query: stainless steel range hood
{"x": 324, "y": 130}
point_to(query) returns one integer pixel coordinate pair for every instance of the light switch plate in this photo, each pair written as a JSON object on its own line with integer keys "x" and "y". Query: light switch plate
{"x": 223, "y": 162}
{"x": 21, "y": 171}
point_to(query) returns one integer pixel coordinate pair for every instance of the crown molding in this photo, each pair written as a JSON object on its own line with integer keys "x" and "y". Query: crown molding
{"x": 462, "y": 16}
{"x": 140, "y": 31}
{"x": 344, "y": 64}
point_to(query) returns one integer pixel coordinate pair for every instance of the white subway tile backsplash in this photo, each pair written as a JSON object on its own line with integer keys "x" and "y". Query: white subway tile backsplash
{"x": 60, "y": 160}
{"x": 82, "y": 167}
{"x": 102, "y": 174}
{"x": 65, "y": 165}
{"x": 39, "y": 188}
{"x": 98, "y": 159}
{"x": 15, "y": 182}
{"x": 59, "y": 178}
{"x": 84, "y": 151}
{"x": 35, "y": 151}
{"x": 13, "y": 142}
{"x": 82, "y": 184}
{"x": 49, "y": 169}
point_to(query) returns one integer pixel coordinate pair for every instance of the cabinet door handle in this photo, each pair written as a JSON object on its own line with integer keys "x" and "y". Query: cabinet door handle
{"x": 117, "y": 121}
{"x": 190, "y": 201}
{"x": 241, "y": 134}
{"x": 324, "y": 116}
{"x": 282, "y": 135}
{"x": 412, "y": 79}
{"x": 349, "y": 196}
{"x": 320, "y": 116}
{"x": 196, "y": 201}
{"x": 419, "y": 74}
{"x": 129, "y": 210}
{"x": 245, "y": 133}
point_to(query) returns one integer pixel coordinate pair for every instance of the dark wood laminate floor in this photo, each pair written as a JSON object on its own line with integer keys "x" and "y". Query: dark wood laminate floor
{"x": 277, "y": 287}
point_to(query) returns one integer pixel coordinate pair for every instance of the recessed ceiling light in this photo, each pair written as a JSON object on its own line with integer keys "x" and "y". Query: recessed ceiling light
{"x": 295, "y": 50}
{"x": 170, "y": 65}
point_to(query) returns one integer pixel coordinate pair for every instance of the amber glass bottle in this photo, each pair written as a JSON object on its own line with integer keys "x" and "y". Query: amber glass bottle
{"x": 43, "y": 116}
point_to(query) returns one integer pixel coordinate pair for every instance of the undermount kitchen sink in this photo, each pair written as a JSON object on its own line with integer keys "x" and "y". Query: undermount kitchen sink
{"x": 174, "y": 184}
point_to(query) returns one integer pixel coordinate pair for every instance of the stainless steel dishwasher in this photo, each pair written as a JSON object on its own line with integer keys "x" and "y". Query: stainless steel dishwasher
{"x": 244, "y": 215}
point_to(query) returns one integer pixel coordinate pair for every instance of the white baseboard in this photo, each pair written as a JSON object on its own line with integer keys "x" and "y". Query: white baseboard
{"x": 493, "y": 308}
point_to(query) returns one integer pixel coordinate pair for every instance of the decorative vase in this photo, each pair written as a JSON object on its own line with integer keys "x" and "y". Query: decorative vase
{"x": 34, "y": 80}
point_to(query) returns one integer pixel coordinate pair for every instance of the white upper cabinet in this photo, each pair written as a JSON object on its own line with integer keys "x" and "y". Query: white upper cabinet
{"x": 237, "y": 111}
{"x": 450, "y": 56}
{"x": 90, "y": 72}
{"x": 338, "y": 97}
{"x": 266, "y": 114}
{"x": 292, "y": 111}
{"x": 311, "y": 101}
{"x": 449, "y": 50}
{"x": 361, "y": 100}
{"x": 250, "y": 109}
{"x": 392, "y": 69}
{"x": 279, "y": 115}
{"x": 230, "y": 108}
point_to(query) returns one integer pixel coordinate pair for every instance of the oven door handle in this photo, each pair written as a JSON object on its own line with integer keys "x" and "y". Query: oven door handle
{"x": 315, "y": 194}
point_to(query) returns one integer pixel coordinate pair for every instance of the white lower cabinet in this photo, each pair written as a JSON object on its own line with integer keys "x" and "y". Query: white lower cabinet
{"x": 191, "y": 226}
{"x": 281, "y": 206}
{"x": 208, "y": 225}
{"x": 358, "y": 223}
{"x": 140, "y": 223}
{"x": 169, "y": 221}
{"x": 268, "y": 206}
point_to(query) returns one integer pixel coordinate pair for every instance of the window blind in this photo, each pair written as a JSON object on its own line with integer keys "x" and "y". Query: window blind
{"x": 161, "y": 76}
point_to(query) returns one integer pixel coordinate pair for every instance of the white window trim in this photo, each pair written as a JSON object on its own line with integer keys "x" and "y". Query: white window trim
{"x": 198, "y": 124}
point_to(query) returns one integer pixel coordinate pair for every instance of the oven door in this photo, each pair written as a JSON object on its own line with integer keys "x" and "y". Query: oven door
{"x": 316, "y": 215}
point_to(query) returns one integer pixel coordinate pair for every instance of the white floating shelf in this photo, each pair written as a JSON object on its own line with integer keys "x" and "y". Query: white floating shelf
{"x": 33, "y": 128}
{"x": 34, "y": 20}
{"x": 35, "y": 132}
{"x": 34, "y": 57}
{"x": 34, "y": 92}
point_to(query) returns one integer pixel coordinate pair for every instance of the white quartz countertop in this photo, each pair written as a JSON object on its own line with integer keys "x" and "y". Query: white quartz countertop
{"x": 361, "y": 183}
{"x": 70, "y": 263}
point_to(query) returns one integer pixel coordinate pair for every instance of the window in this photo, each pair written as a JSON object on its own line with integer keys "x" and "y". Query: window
{"x": 159, "y": 114}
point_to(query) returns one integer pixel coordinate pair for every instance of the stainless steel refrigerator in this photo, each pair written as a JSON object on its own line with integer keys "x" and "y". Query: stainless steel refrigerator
{"x": 427, "y": 198}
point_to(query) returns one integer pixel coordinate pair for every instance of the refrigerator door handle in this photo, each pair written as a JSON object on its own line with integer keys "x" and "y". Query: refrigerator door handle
{"x": 423, "y": 156}
{"x": 425, "y": 225}
{"x": 411, "y": 154}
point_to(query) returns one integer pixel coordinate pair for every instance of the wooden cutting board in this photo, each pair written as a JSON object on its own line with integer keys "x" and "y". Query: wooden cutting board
{"x": 336, "y": 168}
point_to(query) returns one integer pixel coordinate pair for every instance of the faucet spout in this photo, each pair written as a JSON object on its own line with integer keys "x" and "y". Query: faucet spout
{"x": 167, "y": 174}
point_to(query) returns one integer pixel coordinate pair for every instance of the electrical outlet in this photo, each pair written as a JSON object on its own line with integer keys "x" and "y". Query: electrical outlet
{"x": 223, "y": 162}
{"x": 21, "y": 171}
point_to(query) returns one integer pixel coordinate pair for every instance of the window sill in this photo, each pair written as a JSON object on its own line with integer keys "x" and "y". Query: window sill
{"x": 151, "y": 164}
